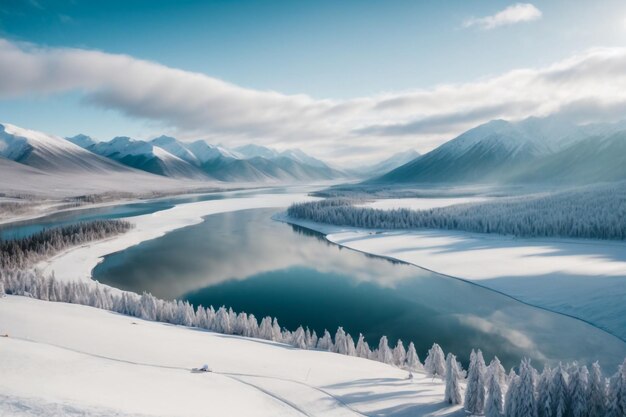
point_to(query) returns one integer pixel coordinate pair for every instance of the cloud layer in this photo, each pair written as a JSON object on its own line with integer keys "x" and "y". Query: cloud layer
{"x": 587, "y": 87}
{"x": 518, "y": 13}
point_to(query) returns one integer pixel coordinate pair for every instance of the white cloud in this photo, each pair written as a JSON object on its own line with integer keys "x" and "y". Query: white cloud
{"x": 588, "y": 86}
{"x": 517, "y": 13}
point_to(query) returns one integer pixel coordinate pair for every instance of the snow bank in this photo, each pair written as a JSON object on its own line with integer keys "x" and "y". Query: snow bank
{"x": 419, "y": 203}
{"x": 107, "y": 364}
{"x": 582, "y": 278}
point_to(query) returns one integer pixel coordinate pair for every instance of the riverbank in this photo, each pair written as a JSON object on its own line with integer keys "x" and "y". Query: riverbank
{"x": 581, "y": 278}
{"x": 76, "y": 263}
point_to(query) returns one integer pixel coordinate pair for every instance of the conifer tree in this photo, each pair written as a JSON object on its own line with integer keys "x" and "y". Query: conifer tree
{"x": 452, "y": 393}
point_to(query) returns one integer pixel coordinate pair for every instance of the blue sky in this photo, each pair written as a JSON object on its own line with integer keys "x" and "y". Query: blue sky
{"x": 326, "y": 50}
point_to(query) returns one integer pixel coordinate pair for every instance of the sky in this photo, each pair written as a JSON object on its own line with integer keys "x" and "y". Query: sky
{"x": 346, "y": 81}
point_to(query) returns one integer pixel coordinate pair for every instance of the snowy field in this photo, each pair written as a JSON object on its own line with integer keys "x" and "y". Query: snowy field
{"x": 70, "y": 360}
{"x": 582, "y": 278}
{"x": 419, "y": 203}
{"x": 77, "y": 263}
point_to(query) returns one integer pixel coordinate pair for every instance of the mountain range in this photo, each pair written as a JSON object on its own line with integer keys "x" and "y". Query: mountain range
{"x": 534, "y": 150}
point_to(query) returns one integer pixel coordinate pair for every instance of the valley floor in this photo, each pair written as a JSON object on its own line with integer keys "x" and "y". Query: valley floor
{"x": 72, "y": 360}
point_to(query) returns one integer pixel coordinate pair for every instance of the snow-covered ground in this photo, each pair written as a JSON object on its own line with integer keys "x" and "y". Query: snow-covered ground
{"x": 70, "y": 360}
{"x": 76, "y": 264}
{"x": 419, "y": 203}
{"x": 582, "y": 278}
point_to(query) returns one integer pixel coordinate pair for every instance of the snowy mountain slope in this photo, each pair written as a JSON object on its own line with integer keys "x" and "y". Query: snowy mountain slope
{"x": 591, "y": 160}
{"x": 147, "y": 157}
{"x": 205, "y": 152}
{"x": 51, "y": 153}
{"x": 252, "y": 151}
{"x": 109, "y": 364}
{"x": 394, "y": 161}
{"x": 176, "y": 148}
{"x": 501, "y": 151}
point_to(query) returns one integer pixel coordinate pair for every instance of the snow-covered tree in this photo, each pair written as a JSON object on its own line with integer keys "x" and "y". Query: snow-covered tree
{"x": 399, "y": 354}
{"x": 526, "y": 403}
{"x": 475, "y": 390}
{"x": 544, "y": 393}
{"x": 435, "y": 364}
{"x": 511, "y": 397}
{"x": 341, "y": 342}
{"x": 299, "y": 338}
{"x": 277, "y": 335}
{"x": 412, "y": 360}
{"x": 325, "y": 342}
{"x": 384, "y": 352}
{"x": 560, "y": 392}
{"x": 351, "y": 347}
{"x": 361, "y": 351}
{"x": 578, "y": 391}
{"x": 265, "y": 329}
{"x": 617, "y": 393}
{"x": 311, "y": 339}
{"x": 452, "y": 393}
{"x": 494, "y": 406}
{"x": 495, "y": 368}
{"x": 597, "y": 392}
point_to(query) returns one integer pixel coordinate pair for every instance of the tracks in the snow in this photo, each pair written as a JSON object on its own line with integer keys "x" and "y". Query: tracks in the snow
{"x": 336, "y": 407}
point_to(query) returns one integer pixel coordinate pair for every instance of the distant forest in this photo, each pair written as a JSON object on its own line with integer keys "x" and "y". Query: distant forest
{"x": 19, "y": 253}
{"x": 593, "y": 213}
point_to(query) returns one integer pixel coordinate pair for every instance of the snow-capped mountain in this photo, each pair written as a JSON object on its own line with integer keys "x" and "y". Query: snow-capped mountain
{"x": 50, "y": 153}
{"x": 534, "y": 149}
{"x": 147, "y": 157}
{"x": 169, "y": 157}
{"x": 205, "y": 152}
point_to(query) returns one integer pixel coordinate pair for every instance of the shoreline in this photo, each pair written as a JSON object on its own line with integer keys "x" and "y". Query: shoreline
{"x": 77, "y": 263}
{"x": 352, "y": 238}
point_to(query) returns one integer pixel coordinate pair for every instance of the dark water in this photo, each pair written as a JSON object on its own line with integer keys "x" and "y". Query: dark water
{"x": 251, "y": 263}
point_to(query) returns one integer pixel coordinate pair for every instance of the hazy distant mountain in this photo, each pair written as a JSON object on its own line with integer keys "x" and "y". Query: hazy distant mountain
{"x": 253, "y": 151}
{"x": 382, "y": 167}
{"x": 531, "y": 150}
{"x": 83, "y": 141}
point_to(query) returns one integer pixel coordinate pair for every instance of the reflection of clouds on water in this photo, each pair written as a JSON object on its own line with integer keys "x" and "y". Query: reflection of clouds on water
{"x": 518, "y": 342}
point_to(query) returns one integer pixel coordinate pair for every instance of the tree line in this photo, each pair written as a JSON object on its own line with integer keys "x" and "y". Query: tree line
{"x": 598, "y": 213}
{"x": 564, "y": 391}
{"x": 19, "y": 253}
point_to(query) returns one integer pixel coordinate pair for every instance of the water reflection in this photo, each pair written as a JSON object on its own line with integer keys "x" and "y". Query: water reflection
{"x": 247, "y": 261}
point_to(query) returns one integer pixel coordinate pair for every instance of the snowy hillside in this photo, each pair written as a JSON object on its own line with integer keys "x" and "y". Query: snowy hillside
{"x": 108, "y": 364}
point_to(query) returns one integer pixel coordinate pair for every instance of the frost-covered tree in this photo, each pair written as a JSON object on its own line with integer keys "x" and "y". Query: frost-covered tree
{"x": 511, "y": 397}
{"x": 475, "y": 390}
{"x": 578, "y": 391}
{"x": 452, "y": 393}
{"x": 325, "y": 342}
{"x": 311, "y": 339}
{"x": 299, "y": 338}
{"x": 412, "y": 360}
{"x": 265, "y": 329}
{"x": 277, "y": 335}
{"x": 384, "y": 352}
{"x": 560, "y": 392}
{"x": 494, "y": 406}
{"x": 435, "y": 364}
{"x": 361, "y": 351}
{"x": 617, "y": 393}
{"x": 526, "y": 405}
{"x": 351, "y": 347}
{"x": 544, "y": 393}
{"x": 495, "y": 368}
{"x": 222, "y": 321}
{"x": 341, "y": 342}
{"x": 597, "y": 392}
{"x": 399, "y": 354}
